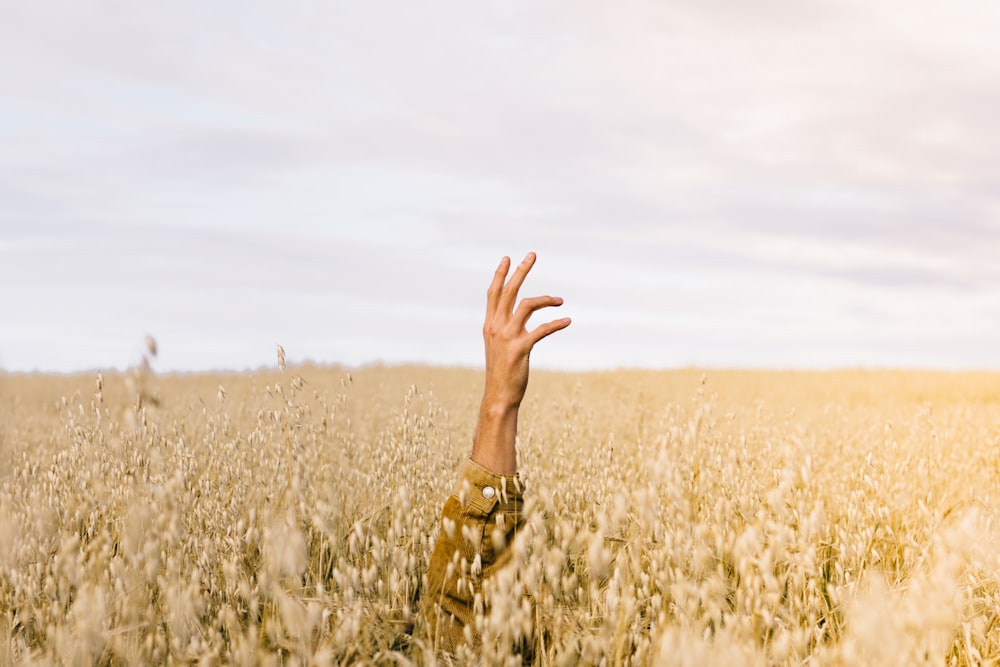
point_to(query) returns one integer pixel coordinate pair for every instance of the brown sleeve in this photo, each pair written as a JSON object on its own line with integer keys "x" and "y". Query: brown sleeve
{"x": 478, "y": 524}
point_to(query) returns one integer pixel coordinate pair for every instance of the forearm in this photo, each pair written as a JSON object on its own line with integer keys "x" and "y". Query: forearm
{"x": 494, "y": 445}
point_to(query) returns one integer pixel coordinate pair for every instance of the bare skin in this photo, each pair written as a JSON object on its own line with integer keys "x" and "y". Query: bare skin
{"x": 508, "y": 346}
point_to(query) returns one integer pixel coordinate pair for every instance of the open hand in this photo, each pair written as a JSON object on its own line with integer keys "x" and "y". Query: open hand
{"x": 508, "y": 347}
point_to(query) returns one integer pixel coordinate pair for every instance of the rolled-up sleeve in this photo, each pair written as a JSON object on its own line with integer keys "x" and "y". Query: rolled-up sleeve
{"x": 478, "y": 523}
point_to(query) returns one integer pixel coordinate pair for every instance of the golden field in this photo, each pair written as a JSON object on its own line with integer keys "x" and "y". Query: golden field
{"x": 675, "y": 518}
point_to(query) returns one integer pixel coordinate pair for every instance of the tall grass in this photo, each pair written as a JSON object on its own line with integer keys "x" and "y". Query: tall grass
{"x": 674, "y": 518}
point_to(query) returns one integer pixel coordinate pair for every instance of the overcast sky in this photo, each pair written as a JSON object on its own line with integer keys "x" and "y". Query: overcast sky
{"x": 778, "y": 183}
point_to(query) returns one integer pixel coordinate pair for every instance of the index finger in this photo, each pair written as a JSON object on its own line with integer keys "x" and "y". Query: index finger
{"x": 509, "y": 294}
{"x": 493, "y": 293}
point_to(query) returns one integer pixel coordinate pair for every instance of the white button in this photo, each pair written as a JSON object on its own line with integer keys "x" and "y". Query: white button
{"x": 488, "y": 492}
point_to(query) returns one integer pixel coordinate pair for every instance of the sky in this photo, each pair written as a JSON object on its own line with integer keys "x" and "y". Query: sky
{"x": 717, "y": 183}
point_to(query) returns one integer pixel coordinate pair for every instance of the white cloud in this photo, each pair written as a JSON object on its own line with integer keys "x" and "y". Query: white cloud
{"x": 788, "y": 183}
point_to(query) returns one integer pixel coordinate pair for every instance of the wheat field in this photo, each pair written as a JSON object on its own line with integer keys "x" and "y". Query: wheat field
{"x": 674, "y": 518}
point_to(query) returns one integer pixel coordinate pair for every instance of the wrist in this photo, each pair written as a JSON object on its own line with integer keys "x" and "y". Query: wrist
{"x": 498, "y": 410}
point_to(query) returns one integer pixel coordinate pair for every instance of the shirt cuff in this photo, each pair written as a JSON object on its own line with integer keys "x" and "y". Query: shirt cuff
{"x": 483, "y": 489}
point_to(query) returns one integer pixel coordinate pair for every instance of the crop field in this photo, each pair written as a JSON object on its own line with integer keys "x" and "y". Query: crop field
{"x": 674, "y": 518}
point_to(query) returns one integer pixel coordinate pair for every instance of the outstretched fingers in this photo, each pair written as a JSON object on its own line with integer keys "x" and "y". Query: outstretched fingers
{"x": 509, "y": 293}
{"x": 530, "y": 305}
{"x": 496, "y": 287}
{"x": 543, "y": 330}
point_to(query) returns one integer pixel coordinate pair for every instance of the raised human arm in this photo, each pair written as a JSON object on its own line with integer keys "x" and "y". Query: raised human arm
{"x": 481, "y": 518}
{"x": 508, "y": 347}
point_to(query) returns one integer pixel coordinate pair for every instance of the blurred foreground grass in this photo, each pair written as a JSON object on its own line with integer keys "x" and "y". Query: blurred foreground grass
{"x": 730, "y": 517}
